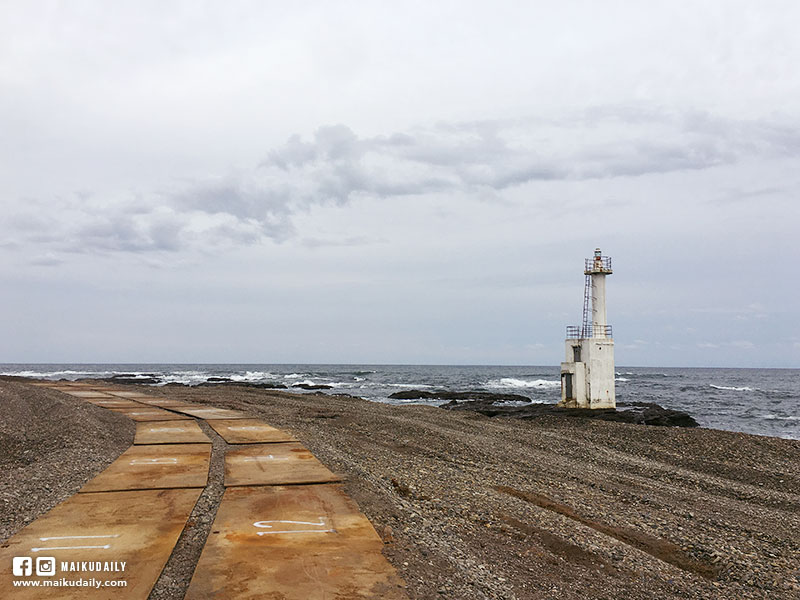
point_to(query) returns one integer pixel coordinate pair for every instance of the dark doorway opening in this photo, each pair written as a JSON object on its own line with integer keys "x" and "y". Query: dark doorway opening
{"x": 576, "y": 354}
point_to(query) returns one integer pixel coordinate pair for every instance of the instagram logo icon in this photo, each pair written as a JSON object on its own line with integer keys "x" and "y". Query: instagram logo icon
{"x": 46, "y": 566}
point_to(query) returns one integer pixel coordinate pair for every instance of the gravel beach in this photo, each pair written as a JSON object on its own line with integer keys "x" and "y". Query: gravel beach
{"x": 476, "y": 507}
{"x": 50, "y": 445}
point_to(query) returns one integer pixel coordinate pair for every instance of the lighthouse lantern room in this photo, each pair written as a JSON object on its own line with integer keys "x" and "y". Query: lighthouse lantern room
{"x": 587, "y": 374}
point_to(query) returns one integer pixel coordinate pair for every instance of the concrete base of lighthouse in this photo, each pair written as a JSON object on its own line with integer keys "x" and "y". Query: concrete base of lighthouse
{"x": 587, "y": 376}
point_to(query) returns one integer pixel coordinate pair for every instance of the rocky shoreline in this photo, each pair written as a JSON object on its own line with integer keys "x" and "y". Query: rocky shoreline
{"x": 154, "y": 379}
{"x": 472, "y": 506}
{"x": 519, "y": 407}
{"x": 490, "y": 404}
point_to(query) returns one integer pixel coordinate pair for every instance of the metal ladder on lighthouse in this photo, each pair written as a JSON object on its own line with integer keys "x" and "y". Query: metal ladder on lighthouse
{"x": 586, "y": 324}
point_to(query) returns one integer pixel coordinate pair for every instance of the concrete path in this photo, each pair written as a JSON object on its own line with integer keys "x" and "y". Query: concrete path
{"x": 158, "y": 466}
{"x": 300, "y": 541}
{"x": 111, "y": 402}
{"x": 170, "y": 432}
{"x": 248, "y": 431}
{"x": 101, "y": 541}
{"x": 303, "y": 541}
{"x": 274, "y": 464}
{"x": 209, "y": 412}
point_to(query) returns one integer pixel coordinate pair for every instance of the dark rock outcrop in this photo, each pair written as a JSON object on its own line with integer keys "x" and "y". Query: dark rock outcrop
{"x": 312, "y": 386}
{"x": 480, "y": 397}
{"x": 643, "y": 413}
{"x": 133, "y": 378}
{"x": 650, "y": 413}
{"x": 249, "y": 384}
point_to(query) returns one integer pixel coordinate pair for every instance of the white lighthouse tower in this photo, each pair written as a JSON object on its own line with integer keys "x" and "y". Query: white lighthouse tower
{"x": 587, "y": 375}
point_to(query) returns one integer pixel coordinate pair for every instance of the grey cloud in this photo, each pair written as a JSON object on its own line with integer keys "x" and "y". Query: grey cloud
{"x": 115, "y": 234}
{"x": 480, "y": 159}
{"x": 346, "y": 242}
{"x": 46, "y": 261}
{"x": 245, "y": 197}
{"x": 742, "y": 195}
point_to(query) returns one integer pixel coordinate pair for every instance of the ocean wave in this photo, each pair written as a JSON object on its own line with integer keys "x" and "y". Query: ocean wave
{"x": 653, "y": 375}
{"x": 621, "y": 379}
{"x": 731, "y": 388}
{"x": 510, "y": 382}
{"x": 185, "y": 377}
{"x": 409, "y": 385}
{"x": 198, "y": 377}
{"x": 45, "y": 374}
{"x": 253, "y": 376}
{"x": 510, "y": 403}
{"x": 425, "y": 401}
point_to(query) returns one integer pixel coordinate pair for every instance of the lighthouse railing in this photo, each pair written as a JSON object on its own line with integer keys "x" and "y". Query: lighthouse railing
{"x": 598, "y": 264}
{"x": 583, "y": 332}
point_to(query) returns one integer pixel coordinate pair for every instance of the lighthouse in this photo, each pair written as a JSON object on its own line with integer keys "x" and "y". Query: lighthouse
{"x": 587, "y": 374}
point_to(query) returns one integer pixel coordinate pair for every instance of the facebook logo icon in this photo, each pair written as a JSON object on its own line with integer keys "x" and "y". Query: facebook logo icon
{"x": 22, "y": 566}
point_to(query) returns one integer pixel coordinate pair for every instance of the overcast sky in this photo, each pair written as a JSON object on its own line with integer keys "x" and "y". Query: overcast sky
{"x": 398, "y": 182}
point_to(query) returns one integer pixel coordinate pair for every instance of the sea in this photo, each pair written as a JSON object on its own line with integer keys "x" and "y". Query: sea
{"x": 757, "y": 401}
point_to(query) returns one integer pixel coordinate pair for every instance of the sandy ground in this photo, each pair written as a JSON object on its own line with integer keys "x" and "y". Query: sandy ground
{"x": 478, "y": 507}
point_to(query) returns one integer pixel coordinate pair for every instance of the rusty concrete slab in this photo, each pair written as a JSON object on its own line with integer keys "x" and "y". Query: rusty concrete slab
{"x": 115, "y": 403}
{"x": 211, "y": 412}
{"x": 170, "y": 403}
{"x": 274, "y": 464}
{"x": 66, "y": 387}
{"x": 96, "y": 388}
{"x": 170, "y": 432}
{"x": 88, "y": 394}
{"x": 129, "y": 394}
{"x": 138, "y": 528}
{"x": 147, "y": 408}
{"x": 148, "y": 413}
{"x": 249, "y": 431}
{"x": 155, "y": 467}
{"x": 305, "y": 542}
